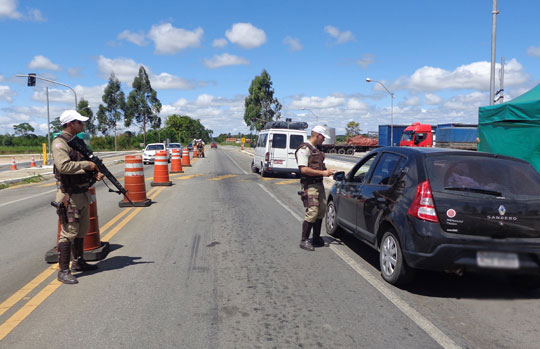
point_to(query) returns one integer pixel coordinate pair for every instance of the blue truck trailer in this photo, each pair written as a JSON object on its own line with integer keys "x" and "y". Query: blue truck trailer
{"x": 385, "y": 134}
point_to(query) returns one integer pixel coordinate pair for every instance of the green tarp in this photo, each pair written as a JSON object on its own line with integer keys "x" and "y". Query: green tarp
{"x": 512, "y": 128}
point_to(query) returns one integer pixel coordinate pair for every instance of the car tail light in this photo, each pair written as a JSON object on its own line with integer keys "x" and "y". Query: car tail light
{"x": 423, "y": 206}
{"x": 267, "y": 156}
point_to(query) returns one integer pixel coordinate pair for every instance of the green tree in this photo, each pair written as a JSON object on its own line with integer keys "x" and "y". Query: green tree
{"x": 84, "y": 109}
{"x": 23, "y": 129}
{"x": 352, "y": 129}
{"x": 113, "y": 111}
{"x": 143, "y": 104}
{"x": 187, "y": 128}
{"x": 260, "y": 105}
{"x": 56, "y": 126}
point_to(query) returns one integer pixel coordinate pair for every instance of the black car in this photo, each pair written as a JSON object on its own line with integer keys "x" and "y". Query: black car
{"x": 441, "y": 209}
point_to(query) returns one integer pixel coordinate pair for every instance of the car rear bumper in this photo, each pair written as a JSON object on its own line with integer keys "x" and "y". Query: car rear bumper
{"x": 270, "y": 169}
{"x": 451, "y": 255}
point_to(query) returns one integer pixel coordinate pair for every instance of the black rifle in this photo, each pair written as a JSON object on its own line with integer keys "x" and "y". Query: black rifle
{"x": 78, "y": 144}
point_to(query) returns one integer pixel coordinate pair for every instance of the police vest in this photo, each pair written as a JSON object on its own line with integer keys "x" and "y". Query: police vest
{"x": 315, "y": 161}
{"x": 75, "y": 183}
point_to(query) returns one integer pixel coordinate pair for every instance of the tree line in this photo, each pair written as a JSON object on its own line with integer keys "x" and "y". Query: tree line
{"x": 141, "y": 108}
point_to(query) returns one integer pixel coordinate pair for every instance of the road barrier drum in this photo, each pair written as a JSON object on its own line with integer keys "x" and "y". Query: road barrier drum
{"x": 134, "y": 183}
{"x": 185, "y": 158}
{"x": 176, "y": 161}
{"x": 195, "y": 153}
{"x": 94, "y": 248}
{"x": 161, "y": 169}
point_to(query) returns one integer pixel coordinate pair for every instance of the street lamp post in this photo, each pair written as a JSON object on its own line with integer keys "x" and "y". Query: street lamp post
{"x": 391, "y": 110}
{"x": 51, "y": 81}
{"x": 317, "y": 116}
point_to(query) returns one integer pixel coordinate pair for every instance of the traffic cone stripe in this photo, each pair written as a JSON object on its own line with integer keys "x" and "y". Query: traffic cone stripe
{"x": 161, "y": 170}
{"x": 134, "y": 183}
{"x": 176, "y": 162}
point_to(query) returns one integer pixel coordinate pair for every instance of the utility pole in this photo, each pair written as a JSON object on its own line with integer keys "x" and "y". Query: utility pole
{"x": 494, "y": 13}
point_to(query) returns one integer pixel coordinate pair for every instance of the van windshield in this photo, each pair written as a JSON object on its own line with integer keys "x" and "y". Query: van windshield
{"x": 279, "y": 141}
{"x": 473, "y": 175}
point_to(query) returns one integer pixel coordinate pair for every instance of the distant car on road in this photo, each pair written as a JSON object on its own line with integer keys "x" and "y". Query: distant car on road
{"x": 149, "y": 153}
{"x": 442, "y": 209}
{"x": 213, "y": 145}
{"x": 190, "y": 146}
{"x": 175, "y": 146}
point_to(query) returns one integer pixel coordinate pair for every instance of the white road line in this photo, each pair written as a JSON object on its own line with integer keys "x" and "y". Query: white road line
{"x": 433, "y": 331}
{"x": 28, "y": 197}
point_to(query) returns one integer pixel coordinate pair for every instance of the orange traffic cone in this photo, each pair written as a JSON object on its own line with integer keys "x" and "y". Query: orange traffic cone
{"x": 185, "y": 158}
{"x": 94, "y": 248}
{"x": 13, "y": 164}
{"x": 176, "y": 162}
{"x": 195, "y": 153}
{"x": 134, "y": 183}
{"x": 33, "y": 163}
{"x": 161, "y": 170}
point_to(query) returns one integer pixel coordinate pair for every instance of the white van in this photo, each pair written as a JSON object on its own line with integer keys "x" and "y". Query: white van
{"x": 274, "y": 151}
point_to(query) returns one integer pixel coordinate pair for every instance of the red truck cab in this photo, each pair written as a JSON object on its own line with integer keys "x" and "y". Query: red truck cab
{"x": 417, "y": 135}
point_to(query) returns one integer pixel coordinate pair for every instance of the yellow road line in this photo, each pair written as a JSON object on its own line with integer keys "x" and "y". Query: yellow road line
{"x": 28, "y": 308}
{"x": 47, "y": 185}
{"x": 268, "y": 179}
{"x": 222, "y": 177}
{"x": 33, "y": 303}
{"x": 20, "y": 294}
{"x": 288, "y": 181}
{"x": 187, "y": 176}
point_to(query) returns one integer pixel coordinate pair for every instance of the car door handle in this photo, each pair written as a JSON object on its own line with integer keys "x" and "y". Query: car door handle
{"x": 290, "y": 153}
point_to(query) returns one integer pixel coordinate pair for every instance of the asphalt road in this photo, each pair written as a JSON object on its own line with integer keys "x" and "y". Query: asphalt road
{"x": 214, "y": 263}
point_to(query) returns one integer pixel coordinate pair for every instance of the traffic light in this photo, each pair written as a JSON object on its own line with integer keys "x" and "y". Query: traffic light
{"x": 32, "y": 79}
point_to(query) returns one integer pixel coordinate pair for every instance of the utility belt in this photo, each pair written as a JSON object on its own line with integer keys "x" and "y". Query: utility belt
{"x": 72, "y": 190}
{"x": 310, "y": 180}
{"x": 309, "y": 200}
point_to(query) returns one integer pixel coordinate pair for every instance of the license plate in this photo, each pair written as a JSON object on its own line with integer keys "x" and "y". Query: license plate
{"x": 500, "y": 260}
{"x": 278, "y": 161}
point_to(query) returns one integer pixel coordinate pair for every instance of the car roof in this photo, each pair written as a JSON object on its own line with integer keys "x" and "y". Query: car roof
{"x": 163, "y": 144}
{"x": 429, "y": 151}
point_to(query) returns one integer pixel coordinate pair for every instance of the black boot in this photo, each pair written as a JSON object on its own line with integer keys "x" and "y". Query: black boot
{"x": 64, "y": 274}
{"x": 317, "y": 240}
{"x": 79, "y": 264}
{"x": 306, "y": 230}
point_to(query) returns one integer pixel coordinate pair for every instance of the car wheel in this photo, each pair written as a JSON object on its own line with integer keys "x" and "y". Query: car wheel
{"x": 341, "y": 151}
{"x": 254, "y": 169}
{"x": 332, "y": 228}
{"x": 350, "y": 151}
{"x": 394, "y": 269}
{"x": 332, "y": 151}
{"x": 263, "y": 172}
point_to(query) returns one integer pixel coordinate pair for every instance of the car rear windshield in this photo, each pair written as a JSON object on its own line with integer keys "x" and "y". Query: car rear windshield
{"x": 155, "y": 147}
{"x": 483, "y": 175}
{"x": 295, "y": 141}
{"x": 279, "y": 141}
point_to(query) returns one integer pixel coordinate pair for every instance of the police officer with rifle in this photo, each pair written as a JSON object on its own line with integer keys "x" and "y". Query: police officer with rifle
{"x": 76, "y": 169}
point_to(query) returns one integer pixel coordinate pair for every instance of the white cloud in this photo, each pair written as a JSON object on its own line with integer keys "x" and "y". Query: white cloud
{"x": 293, "y": 43}
{"x": 317, "y": 102}
{"x": 224, "y": 60}
{"x": 8, "y": 8}
{"x": 168, "y": 39}
{"x": 42, "y": 62}
{"x": 135, "y": 38}
{"x": 126, "y": 69}
{"x": 92, "y": 94}
{"x": 341, "y": 37}
{"x": 219, "y": 43}
{"x": 165, "y": 81}
{"x": 366, "y": 60}
{"x": 6, "y": 93}
{"x": 355, "y": 104}
{"x": 432, "y": 98}
{"x": 413, "y": 100}
{"x": 74, "y": 72}
{"x": 473, "y": 101}
{"x": 472, "y": 76}
{"x": 246, "y": 35}
{"x": 534, "y": 51}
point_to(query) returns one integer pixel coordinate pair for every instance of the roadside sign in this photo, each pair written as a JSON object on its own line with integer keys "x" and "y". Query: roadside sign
{"x": 243, "y": 140}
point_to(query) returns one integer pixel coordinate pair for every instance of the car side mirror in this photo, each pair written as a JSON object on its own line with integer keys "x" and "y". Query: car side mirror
{"x": 339, "y": 176}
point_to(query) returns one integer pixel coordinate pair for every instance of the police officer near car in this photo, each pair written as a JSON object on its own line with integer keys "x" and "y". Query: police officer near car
{"x": 73, "y": 176}
{"x": 310, "y": 162}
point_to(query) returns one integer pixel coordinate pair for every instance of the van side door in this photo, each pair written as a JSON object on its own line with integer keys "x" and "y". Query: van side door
{"x": 294, "y": 142}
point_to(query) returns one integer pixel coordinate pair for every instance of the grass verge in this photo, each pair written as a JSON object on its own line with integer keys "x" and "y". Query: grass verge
{"x": 33, "y": 179}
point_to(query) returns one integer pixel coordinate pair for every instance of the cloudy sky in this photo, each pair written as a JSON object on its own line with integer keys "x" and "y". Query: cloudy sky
{"x": 202, "y": 55}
